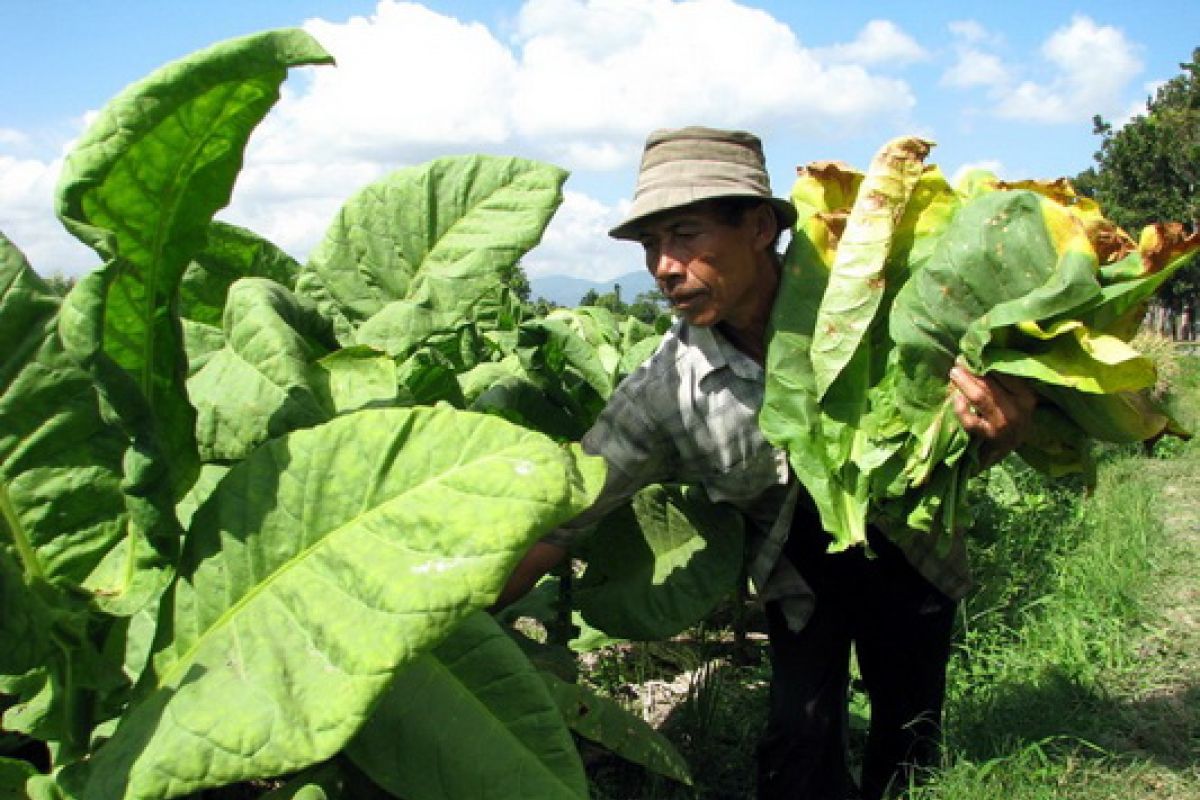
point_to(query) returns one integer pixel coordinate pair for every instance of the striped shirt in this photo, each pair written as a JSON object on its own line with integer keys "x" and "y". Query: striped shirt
{"x": 690, "y": 415}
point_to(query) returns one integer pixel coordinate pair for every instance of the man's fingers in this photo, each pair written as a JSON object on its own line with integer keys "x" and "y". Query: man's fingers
{"x": 997, "y": 410}
{"x": 974, "y": 398}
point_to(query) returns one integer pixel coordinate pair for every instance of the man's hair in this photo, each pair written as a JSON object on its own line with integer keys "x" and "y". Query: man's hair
{"x": 732, "y": 210}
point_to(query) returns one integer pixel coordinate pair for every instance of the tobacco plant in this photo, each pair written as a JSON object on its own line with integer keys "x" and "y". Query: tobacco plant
{"x": 253, "y": 510}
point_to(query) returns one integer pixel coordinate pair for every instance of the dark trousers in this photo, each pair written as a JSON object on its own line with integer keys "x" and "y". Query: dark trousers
{"x": 900, "y": 628}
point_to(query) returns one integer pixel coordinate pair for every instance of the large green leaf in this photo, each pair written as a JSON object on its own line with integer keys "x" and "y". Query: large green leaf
{"x": 857, "y": 282}
{"x": 260, "y": 384}
{"x": 78, "y": 532}
{"x": 567, "y": 368}
{"x": 79, "y": 508}
{"x": 478, "y": 710}
{"x": 229, "y": 254}
{"x": 400, "y": 327}
{"x": 60, "y": 463}
{"x": 320, "y": 565}
{"x": 660, "y": 564}
{"x": 141, "y": 187}
{"x": 353, "y": 378}
{"x": 444, "y": 235}
{"x": 13, "y": 774}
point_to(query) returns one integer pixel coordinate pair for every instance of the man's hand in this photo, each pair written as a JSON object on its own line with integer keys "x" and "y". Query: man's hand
{"x": 998, "y": 409}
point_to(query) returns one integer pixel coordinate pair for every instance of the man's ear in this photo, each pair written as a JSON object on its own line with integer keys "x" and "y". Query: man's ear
{"x": 765, "y": 225}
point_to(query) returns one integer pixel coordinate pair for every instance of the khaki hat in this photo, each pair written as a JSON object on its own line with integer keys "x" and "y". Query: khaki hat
{"x": 681, "y": 166}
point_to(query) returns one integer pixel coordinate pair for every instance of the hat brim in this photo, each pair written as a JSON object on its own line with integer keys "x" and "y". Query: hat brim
{"x": 631, "y": 227}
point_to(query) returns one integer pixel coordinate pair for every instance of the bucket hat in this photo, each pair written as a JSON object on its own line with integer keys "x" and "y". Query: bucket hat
{"x": 681, "y": 166}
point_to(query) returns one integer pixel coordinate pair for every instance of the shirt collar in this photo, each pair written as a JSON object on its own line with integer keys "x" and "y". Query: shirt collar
{"x": 715, "y": 352}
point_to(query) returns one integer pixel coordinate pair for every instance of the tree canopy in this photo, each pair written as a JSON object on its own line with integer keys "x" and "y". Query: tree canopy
{"x": 1149, "y": 169}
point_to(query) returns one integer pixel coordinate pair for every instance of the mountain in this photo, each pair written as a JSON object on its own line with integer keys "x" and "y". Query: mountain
{"x": 566, "y": 290}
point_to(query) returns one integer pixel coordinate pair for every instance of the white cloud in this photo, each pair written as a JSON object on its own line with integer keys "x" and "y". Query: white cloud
{"x": 11, "y": 137}
{"x": 974, "y": 65}
{"x": 976, "y": 68}
{"x": 1094, "y": 64}
{"x": 576, "y": 82}
{"x": 580, "y": 83}
{"x": 582, "y": 80}
{"x": 973, "y": 33}
{"x": 880, "y": 42}
{"x": 576, "y": 242}
{"x": 406, "y": 76}
{"x": 27, "y": 218}
{"x": 596, "y": 75}
{"x": 1087, "y": 69}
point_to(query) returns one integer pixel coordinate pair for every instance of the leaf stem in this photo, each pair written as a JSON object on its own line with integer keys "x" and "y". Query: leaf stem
{"x": 29, "y": 559}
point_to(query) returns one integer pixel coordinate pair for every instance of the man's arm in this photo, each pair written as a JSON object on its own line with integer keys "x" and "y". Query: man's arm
{"x": 998, "y": 409}
{"x": 540, "y": 559}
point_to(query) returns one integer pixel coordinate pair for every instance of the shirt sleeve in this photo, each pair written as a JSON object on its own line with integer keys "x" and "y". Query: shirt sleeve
{"x": 635, "y": 446}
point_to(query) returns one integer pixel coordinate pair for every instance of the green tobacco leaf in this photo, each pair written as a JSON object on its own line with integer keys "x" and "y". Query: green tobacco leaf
{"x": 637, "y": 354}
{"x": 481, "y": 377}
{"x": 206, "y": 483}
{"x": 200, "y": 342}
{"x": 322, "y": 564}
{"x": 78, "y": 508}
{"x": 353, "y": 378}
{"x": 660, "y": 564}
{"x": 553, "y": 347}
{"x": 856, "y": 281}
{"x": 60, "y": 464}
{"x": 522, "y": 401}
{"x": 140, "y": 188}
{"x": 791, "y": 416}
{"x": 443, "y": 235}
{"x": 229, "y": 254}
{"x": 427, "y": 378}
{"x": 77, "y": 534}
{"x": 478, "y": 709}
{"x": 260, "y": 384}
{"x": 400, "y": 326}
{"x": 13, "y": 775}
{"x": 605, "y": 722}
{"x": 1118, "y": 417}
{"x": 1070, "y": 354}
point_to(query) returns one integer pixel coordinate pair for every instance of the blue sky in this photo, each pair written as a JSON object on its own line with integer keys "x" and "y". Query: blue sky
{"x": 1012, "y": 86}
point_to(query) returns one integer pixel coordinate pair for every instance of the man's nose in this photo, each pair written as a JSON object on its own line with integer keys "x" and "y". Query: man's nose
{"x": 667, "y": 265}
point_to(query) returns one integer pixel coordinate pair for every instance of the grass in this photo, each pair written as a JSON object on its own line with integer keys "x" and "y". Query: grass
{"x": 1072, "y": 679}
{"x": 1076, "y": 671}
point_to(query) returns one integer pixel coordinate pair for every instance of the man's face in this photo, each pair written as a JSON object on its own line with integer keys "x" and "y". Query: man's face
{"x": 710, "y": 271}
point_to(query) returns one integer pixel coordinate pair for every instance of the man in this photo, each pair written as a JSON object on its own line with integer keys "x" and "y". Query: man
{"x": 705, "y": 216}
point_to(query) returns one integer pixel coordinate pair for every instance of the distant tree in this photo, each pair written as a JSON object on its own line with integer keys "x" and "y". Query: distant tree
{"x": 647, "y": 306}
{"x": 590, "y": 298}
{"x": 1149, "y": 169}
{"x": 60, "y": 283}
{"x": 518, "y": 283}
{"x": 611, "y": 301}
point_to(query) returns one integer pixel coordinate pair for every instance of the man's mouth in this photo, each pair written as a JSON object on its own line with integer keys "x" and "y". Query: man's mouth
{"x": 684, "y": 299}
